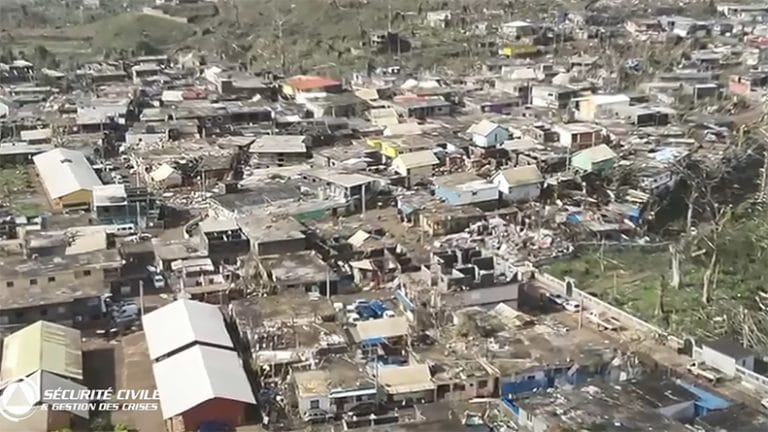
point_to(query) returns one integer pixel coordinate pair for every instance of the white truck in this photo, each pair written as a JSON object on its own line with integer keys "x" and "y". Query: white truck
{"x": 603, "y": 321}
{"x": 697, "y": 369}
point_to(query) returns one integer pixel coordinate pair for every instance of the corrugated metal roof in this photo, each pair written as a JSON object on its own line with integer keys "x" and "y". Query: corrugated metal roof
{"x": 42, "y": 346}
{"x": 64, "y": 171}
{"x": 181, "y": 323}
{"x": 199, "y": 374}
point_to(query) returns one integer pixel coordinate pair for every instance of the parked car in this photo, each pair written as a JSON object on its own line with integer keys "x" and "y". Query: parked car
{"x": 557, "y": 299}
{"x": 572, "y": 306}
{"x": 316, "y": 416}
{"x": 158, "y": 281}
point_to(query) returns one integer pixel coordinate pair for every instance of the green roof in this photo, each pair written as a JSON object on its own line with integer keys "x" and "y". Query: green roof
{"x": 42, "y": 346}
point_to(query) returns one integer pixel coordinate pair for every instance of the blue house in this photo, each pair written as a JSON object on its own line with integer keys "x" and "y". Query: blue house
{"x": 464, "y": 189}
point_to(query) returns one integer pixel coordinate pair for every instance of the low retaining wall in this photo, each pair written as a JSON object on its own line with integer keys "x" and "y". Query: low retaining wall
{"x": 591, "y": 302}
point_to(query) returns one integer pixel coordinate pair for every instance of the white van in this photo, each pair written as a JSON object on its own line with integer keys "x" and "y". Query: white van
{"x": 122, "y": 230}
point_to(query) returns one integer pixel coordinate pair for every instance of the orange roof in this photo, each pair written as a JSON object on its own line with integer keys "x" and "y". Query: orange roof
{"x": 310, "y": 82}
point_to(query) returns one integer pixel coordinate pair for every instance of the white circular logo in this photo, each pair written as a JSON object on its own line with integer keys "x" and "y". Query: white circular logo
{"x": 18, "y": 400}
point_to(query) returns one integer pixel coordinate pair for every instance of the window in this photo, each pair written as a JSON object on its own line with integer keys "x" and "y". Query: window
{"x": 531, "y": 377}
{"x": 19, "y": 315}
{"x": 482, "y": 384}
{"x": 9, "y": 284}
{"x": 86, "y": 273}
{"x": 314, "y": 404}
{"x": 51, "y": 279}
{"x": 458, "y": 387}
{"x": 43, "y": 312}
{"x": 61, "y": 310}
{"x": 125, "y": 290}
{"x": 33, "y": 281}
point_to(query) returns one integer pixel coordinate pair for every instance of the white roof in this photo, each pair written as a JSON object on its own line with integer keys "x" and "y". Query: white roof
{"x": 199, "y": 374}
{"x": 107, "y": 195}
{"x": 64, "y": 171}
{"x": 181, "y": 323}
{"x": 483, "y": 128}
{"x": 36, "y": 134}
{"x": 607, "y": 99}
{"x": 162, "y": 172}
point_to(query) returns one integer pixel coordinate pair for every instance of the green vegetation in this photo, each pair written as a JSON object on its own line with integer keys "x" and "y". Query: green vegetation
{"x": 632, "y": 277}
{"x": 17, "y": 192}
{"x": 127, "y": 31}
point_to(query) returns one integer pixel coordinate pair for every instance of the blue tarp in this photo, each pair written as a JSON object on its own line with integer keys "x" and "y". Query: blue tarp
{"x": 706, "y": 401}
{"x": 373, "y": 341}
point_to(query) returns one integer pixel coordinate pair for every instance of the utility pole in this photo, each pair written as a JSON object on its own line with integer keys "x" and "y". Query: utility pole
{"x": 362, "y": 200}
{"x": 581, "y": 311}
{"x": 141, "y": 297}
{"x": 328, "y": 283}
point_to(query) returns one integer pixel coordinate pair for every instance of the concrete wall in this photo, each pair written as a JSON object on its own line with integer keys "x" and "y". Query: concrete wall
{"x": 523, "y": 193}
{"x": 324, "y": 403}
{"x": 719, "y": 361}
{"x": 682, "y": 412}
{"x": 760, "y": 382}
{"x": 160, "y": 14}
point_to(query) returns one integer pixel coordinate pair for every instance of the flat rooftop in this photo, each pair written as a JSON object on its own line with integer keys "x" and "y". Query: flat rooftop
{"x": 594, "y": 405}
{"x": 335, "y": 373}
{"x": 297, "y": 268}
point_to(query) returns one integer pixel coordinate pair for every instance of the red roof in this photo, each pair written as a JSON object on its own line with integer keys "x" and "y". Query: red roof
{"x": 310, "y": 82}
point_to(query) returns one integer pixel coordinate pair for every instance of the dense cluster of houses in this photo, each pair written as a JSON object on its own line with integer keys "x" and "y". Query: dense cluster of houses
{"x": 352, "y": 249}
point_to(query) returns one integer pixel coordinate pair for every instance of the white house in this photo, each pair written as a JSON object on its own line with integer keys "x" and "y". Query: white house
{"x": 726, "y": 355}
{"x": 517, "y": 184}
{"x": 601, "y": 105}
{"x": 488, "y": 134}
{"x": 518, "y": 29}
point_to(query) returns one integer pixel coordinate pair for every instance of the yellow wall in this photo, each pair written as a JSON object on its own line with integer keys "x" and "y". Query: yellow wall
{"x": 288, "y": 90}
{"x": 81, "y": 196}
{"x": 388, "y": 148}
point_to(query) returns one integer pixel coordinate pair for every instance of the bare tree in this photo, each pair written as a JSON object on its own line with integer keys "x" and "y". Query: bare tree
{"x": 660, "y": 298}
{"x": 713, "y": 269}
{"x": 675, "y": 256}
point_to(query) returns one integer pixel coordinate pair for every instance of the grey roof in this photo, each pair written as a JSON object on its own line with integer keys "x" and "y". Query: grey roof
{"x": 729, "y": 347}
{"x": 597, "y": 153}
{"x": 64, "y": 171}
{"x": 280, "y": 144}
{"x": 521, "y": 176}
{"x": 418, "y": 159}
{"x": 483, "y": 127}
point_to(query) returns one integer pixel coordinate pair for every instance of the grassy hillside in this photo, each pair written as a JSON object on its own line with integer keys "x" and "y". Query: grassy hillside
{"x": 126, "y": 30}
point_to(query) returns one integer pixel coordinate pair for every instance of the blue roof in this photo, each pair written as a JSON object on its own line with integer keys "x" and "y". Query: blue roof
{"x": 706, "y": 398}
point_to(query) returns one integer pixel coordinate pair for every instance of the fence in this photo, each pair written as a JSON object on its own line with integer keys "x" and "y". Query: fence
{"x": 589, "y": 301}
